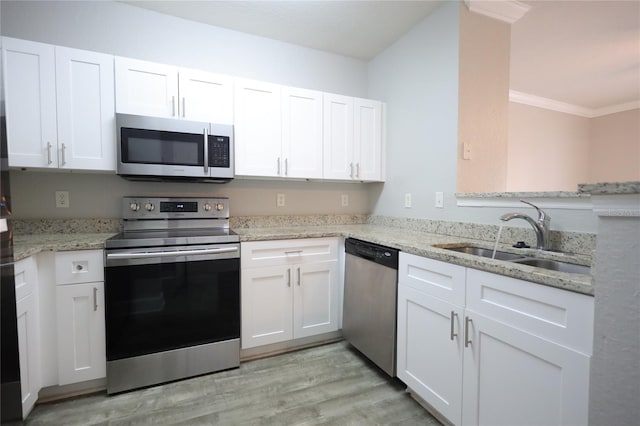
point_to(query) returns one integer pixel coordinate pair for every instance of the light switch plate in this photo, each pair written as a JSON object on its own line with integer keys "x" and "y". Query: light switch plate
{"x": 407, "y": 200}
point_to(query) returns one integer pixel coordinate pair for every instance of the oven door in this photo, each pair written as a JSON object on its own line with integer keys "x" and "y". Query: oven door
{"x": 161, "y": 299}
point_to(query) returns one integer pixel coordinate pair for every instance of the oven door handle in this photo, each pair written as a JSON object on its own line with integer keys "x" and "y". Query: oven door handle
{"x": 143, "y": 255}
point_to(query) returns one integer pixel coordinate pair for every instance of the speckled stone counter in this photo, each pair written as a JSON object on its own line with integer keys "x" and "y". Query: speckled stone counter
{"x": 610, "y": 188}
{"x": 29, "y": 245}
{"x": 421, "y": 244}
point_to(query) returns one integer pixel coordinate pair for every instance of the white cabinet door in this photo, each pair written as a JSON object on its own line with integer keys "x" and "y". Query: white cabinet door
{"x": 30, "y": 101}
{"x": 515, "y": 378}
{"x": 81, "y": 332}
{"x": 338, "y": 137}
{"x": 26, "y": 282}
{"x": 267, "y": 305}
{"x": 368, "y": 139}
{"x": 205, "y": 96}
{"x": 258, "y": 129}
{"x": 146, "y": 88}
{"x": 430, "y": 350}
{"x": 28, "y": 348}
{"x": 86, "y": 112}
{"x": 302, "y": 133}
{"x": 315, "y": 299}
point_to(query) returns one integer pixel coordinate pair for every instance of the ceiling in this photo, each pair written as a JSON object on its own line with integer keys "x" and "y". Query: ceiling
{"x": 586, "y": 53}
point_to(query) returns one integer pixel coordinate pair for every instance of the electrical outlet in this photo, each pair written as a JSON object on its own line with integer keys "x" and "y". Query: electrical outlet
{"x": 407, "y": 200}
{"x": 345, "y": 200}
{"x": 439, "y": 200}
{"x": 280, "y": 201}
{"x": 62, "y": 199}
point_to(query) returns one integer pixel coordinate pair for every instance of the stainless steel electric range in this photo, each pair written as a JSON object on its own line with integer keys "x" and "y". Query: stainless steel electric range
{"x": 172, "y": 292}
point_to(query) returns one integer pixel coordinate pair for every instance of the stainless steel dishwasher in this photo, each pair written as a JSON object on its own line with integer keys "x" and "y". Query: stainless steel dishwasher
{"x": 370, "y": 301}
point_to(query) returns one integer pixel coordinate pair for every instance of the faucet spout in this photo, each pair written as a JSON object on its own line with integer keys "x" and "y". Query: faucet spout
{"x": 540, "y": 226}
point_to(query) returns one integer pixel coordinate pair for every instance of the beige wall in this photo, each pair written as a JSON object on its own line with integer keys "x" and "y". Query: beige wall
{"x": 615, "y": 147}
{"x": 547, "y": 150}
{"x": 99, "y": 195}
{"x": 483, "y": 102}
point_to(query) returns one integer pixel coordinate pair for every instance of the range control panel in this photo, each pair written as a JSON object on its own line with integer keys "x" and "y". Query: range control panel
{"x": 175, "y": 208}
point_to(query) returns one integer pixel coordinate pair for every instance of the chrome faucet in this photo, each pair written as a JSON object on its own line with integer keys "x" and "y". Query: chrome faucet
{"x": 541, "y": 226}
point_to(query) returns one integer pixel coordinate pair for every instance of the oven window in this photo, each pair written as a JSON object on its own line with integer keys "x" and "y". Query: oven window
{"x": 159, "y": 307}
{"x": 158, "y": 147}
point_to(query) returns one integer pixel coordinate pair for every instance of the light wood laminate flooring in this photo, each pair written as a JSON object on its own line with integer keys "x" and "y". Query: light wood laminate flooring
{"x": 331, "y": 384}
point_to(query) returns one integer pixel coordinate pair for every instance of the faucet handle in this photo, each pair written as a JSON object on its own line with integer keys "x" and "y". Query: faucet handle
{"x": 542, "y": 216}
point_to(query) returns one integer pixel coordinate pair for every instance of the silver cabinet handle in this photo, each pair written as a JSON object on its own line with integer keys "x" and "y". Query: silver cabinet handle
{"x": 299, "y": 280}
{"x": 452, "y": 333}
{"x": 173, "y": 106}
{"x": 49, "y": 153}
{"x": 206, "y": 151}
{"x": 183, "y": 108}
{"x": 357, "y": 170}
{"x": 289, "y": 277}
{"x": 95, "y": 299}
{"x": 278, "y": 166}
{"x": 64, "y": 159}
{"x": 286, "y": 166}
{"x": 467, "y": 340}
{"x": 351, "y": 172}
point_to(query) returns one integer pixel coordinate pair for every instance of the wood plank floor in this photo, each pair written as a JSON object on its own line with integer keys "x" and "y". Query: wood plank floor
{"x": 326, "y": 385}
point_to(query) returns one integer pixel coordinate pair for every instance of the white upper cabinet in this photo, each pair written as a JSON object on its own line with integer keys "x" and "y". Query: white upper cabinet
{"x": 258, "y": 129}
{"x": 30, "y": 103}
{"x": 159, "y": 90}
{"x": 205, "y": 96}
{"x": 338, "y": 137}
{"x": 86, "y": 119}
{"x": 367, "y": 150}
{"x": 278, "y": 131}
{"x": 60, "y": 107}
{"x": 353, "y": 134}
{"x": 302, "y": 133}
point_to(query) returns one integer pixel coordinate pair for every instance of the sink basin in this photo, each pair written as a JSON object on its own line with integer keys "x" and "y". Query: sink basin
{"x": 484, "y": 252}
{"x": 554, "y": 265}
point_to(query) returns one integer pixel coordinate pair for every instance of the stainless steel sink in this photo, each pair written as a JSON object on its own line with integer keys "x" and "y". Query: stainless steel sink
{"x": 554, "y": 265}
{"x": 484, "y": 252}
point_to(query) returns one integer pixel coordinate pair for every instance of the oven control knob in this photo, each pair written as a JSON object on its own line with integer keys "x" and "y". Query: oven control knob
{"x": 207, "y": 207}
{"x": 150, "y": 207}
{"x": 134, "y": 207}
{"x": 219, "y": 207}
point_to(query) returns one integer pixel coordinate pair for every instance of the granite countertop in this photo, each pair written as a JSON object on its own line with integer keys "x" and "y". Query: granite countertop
{"x": 610, "y": 188}
{"x": 29, "y": 245}
{"x": 409, "y": 241}
{"x": 421, "y": 244}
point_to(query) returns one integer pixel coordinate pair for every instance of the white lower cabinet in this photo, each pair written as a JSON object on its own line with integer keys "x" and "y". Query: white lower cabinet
{"x": 80, "y": 316}
{"x": 26, "y": 281}
{"x": 290, "y": 290}
{"x": 512, "y": 353}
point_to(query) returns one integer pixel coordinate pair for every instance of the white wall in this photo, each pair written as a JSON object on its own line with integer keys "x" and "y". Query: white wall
{"x": 125, "y": 30}
{"x": 418, "y": 79}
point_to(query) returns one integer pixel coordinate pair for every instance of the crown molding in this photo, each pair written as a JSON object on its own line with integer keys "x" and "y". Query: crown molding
{"x": 508, "y": 11}
{"x": 553, "y": 105}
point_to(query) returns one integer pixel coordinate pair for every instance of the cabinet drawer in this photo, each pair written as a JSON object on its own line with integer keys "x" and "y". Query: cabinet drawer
{"x": 287, "y": 252}
{"x": 25, "y": 274}
{"x": 560, "y": 316}
{"x": 439, "y": 279}
{"x": 80, "y": 266}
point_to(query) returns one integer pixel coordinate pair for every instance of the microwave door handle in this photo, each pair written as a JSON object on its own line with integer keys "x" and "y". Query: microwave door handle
{"x": 206, "y": 152}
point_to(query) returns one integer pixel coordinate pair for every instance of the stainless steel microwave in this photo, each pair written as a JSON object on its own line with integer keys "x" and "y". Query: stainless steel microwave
{"x": 153, "y": 148}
